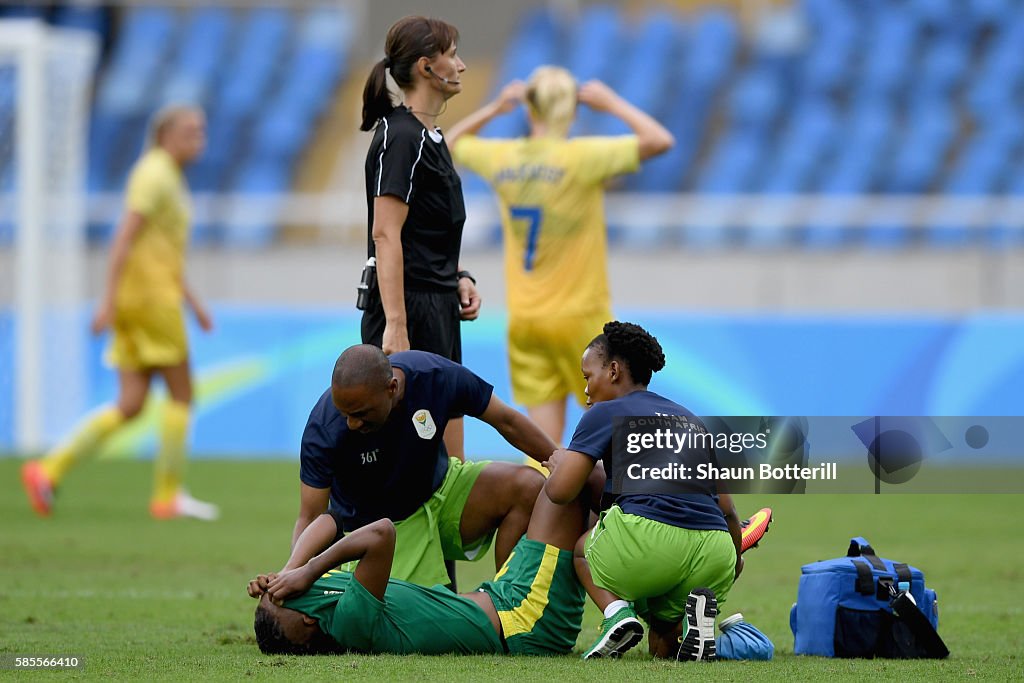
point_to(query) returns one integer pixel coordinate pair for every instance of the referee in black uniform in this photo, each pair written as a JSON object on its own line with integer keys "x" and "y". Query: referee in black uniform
{"x": 414, "y": 201}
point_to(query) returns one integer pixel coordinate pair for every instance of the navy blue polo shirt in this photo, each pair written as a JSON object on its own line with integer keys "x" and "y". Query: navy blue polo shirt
{"x": 395, "y": 470}
{"x": 593, "y": 437}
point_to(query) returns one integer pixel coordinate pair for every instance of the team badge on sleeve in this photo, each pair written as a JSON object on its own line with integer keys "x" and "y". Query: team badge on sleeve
{"x": 424, "y": 424}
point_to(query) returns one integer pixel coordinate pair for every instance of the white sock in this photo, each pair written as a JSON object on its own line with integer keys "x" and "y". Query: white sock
{"x": 614, "y": 607}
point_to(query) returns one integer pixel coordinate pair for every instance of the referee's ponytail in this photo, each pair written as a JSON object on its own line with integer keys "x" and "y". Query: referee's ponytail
{"x": 376, "y": 98}
{"x": 408, "y": 39}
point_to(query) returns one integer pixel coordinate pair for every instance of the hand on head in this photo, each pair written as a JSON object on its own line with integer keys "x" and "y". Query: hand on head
{"x": 289, "y": 583}
{"x": 596, "y": 95}
{"x": 511, "y": 96}
{"x": 258, "y": 586}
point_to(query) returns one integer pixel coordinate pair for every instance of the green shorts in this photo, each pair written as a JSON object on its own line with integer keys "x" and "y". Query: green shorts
{"x": 538, "y": 598}
{"x": 656, "y": 565}
{"x": 429, "y": 536}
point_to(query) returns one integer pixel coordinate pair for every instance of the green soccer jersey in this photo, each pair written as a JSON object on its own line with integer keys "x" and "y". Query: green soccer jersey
{"x": 411, "y": 619}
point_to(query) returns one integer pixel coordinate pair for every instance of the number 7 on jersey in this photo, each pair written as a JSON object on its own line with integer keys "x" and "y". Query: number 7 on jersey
{"x": 533, "y": 215}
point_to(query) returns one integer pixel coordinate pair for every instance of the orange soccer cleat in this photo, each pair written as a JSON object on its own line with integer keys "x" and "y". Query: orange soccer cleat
{"x": 755, "y": 528}
{"x": 38, "y": 487}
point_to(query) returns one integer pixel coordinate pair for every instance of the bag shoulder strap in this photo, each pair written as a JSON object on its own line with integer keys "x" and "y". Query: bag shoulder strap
{"x": 927, "y": 640}
{"x": 859, "y": 547}
{"x": 865, "y": 579}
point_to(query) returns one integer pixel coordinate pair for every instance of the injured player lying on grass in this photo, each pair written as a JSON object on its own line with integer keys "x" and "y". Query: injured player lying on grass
{"x": 534, "y": 606}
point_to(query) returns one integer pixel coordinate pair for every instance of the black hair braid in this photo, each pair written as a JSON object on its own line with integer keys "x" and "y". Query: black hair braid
{"x": 637, "y": 347}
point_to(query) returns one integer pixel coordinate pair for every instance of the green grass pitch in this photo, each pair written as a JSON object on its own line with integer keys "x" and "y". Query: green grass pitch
{"x": 139, "y": 599}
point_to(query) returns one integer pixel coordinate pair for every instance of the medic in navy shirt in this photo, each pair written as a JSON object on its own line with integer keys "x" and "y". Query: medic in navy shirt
{"x": 649, "y": 555}
{"x": 373, "y": 448}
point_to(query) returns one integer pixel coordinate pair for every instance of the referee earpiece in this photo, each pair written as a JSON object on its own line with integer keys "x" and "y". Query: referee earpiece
{"x": 431, "y": 72}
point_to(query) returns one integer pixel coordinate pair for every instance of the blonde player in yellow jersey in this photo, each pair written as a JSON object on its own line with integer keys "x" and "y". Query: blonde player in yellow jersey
{"x": 551, "y": 193}
{"x": 142, "y": 304}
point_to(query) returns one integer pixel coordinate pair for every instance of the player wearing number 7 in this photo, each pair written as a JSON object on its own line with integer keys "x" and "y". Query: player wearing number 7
{"x": 550, "y": 188}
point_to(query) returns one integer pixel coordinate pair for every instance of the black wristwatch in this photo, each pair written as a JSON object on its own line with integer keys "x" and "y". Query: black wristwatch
{"x": 465, "y": 274}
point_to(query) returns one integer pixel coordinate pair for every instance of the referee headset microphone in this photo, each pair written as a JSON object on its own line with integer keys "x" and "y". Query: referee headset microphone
{"x": 430, "y": 71}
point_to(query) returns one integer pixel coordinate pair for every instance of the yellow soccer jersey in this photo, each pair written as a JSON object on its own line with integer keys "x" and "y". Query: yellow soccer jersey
{"x": 154, "y": 270}
{"x": 551, "y": 193}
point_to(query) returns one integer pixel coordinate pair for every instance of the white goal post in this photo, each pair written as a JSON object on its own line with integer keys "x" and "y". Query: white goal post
{"x": 46, "y": 74}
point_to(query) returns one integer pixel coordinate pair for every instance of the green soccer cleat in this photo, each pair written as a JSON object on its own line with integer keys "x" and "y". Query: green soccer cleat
{"x": 619, "y": 633}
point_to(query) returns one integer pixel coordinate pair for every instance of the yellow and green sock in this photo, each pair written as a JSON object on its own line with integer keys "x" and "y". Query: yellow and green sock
{"x": 83, "y": 442}
{"x": 169, "y": 471}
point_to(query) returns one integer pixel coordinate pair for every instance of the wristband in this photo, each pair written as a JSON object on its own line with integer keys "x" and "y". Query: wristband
{"x": 465, "y": 274}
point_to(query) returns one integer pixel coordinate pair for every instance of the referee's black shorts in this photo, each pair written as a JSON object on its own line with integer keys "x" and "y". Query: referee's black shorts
{"x": 432, "y": 319}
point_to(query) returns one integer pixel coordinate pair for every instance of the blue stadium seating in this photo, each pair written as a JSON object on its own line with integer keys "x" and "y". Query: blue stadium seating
{"x": 590, "y": 57}
{"x": 264, "y": 76}
{"x": 888, "y": 56}
{"x": 93, "y": 18}
{"x": 24, "y": 11}
{"x": 713, "y": 48}
{"x": 205, "y": 37}
{"x": 882, "y": 96}
{"x": 707, "y": 62}
{"x": 254, "y": 62}
{"x": 123, "y": 100}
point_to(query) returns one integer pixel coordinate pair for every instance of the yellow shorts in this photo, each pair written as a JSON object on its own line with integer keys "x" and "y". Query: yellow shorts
{"x": 152, "y": 337}
{"x": 544, "y": 356}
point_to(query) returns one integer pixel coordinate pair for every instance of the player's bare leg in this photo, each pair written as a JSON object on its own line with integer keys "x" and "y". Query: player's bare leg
{"x": 663, "y": 638}
{"x": 133, "y": 388}
{"x": 502, "y": 498}
{"x": 621, "y": 630}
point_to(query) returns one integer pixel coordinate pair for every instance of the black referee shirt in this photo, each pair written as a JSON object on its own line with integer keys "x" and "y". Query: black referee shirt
{"x": 409, "y": 162}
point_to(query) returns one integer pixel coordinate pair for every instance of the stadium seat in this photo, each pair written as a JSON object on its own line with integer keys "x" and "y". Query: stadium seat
{"x": 732, "y": 164}
{"x": 706, "y": 62}
{"x": 255, "y": 61}
{"x": 947, "y": 17}
{"x": 922, "y": 146}
{"x": 712, "y": 52}
{"x": 589, "y": 57}
{"x": 205, "y": 38}
{"x": 810, "y": 136}
{"x": 319, "y": 61}
{"x": 942, "y": 69}
{"x": 281, "y": 133}
{"x": 126, "y": 93}
{"x": 755, "y": 102}
{"x": 656, "y": 41}
{"x": 827, "y": 67}
{"x": 992, "y": 13}
{"x": 888, "y": 55}
{"x": 85, "y": 17}
{"x": 24, "y": 11}
{"x": 138, "y": 60}
{"x": 834, "y": 42}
